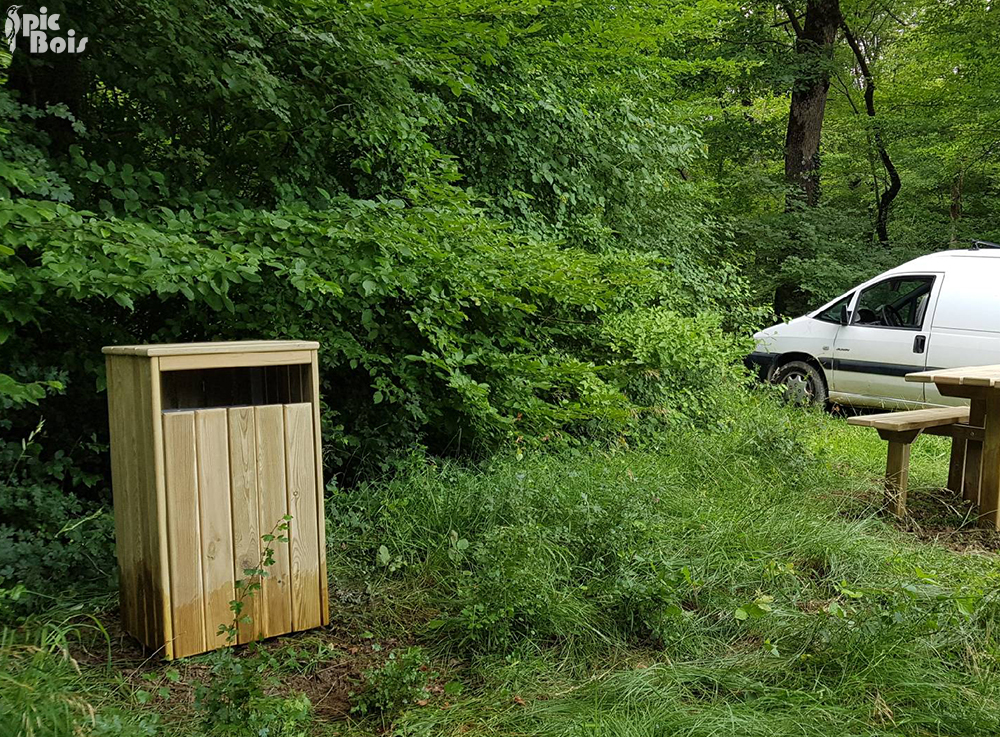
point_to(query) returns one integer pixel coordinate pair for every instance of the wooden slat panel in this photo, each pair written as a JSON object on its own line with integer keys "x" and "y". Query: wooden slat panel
{"x": 227, "y": 346}
{"x": 150, "y": 592}
{"x": 161, "y": 584}
{"x": 273, "y": 506}
{"x": 230, "y": 359}
{"x": 124, "y": 474}
{"x": 140, "y": 515}
{"x": 183, "y": 534}
{"x": 320, "y": 488}
{"x": 988, "y": 376}
{"x": 246, "y": 530}
{"x": 917, "y": 419}
{"x": 212, "y": 438}
{"x": 303, "y": 536}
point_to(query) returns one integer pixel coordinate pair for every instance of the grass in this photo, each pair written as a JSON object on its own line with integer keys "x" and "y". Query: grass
{"x": 734, "y": 580}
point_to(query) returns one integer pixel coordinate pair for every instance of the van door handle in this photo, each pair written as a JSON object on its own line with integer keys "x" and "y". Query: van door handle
{"x": 919, "y": 344}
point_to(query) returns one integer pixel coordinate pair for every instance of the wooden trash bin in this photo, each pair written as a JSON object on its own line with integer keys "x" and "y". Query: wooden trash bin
{"x": 212, "y": 444}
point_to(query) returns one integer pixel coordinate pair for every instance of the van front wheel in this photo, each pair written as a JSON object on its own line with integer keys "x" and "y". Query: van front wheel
{"x": 803, "y": 384}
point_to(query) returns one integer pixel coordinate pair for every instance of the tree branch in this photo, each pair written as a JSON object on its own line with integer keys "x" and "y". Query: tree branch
{"x": 885, "y": 201}
{"x": 793, "y": 19}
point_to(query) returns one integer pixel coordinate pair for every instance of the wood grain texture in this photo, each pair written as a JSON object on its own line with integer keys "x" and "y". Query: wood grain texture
{"x": 194, "y": 489}
{"x": 183, "y": 533}
{"x": 912, "y": 419}
{"x": 164, "y": 636}
{"x": 273, "y": 506}
{"x": 314, "y": 398}
{"x": 215, "y": 348}
{"x": 148, "y": 546}
{"x": 300, "y": 475}
{"x": 974, "y": 453}
{"x": 212, "y": 442}
{"x": 232, "y": 359}
{"x": 985, "y": 376}
{"x": 989, "y": 483}
{"x": 139, "y": 518}
{"x": 897, "y": 476}
{"x": 956, "y": 465}
{"x": 124, "y": 487}
{"x": 246, "y": 526}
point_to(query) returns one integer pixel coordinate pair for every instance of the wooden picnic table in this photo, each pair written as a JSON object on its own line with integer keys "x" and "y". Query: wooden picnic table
{"x": 981, "y": 386}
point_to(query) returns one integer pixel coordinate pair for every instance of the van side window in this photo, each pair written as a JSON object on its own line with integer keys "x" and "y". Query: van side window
{"x": 832, "y": 313}
{"x": 898, "y": 302}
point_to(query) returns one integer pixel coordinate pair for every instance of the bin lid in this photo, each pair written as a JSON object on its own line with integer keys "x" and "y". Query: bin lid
{"x": 194, "y": 349}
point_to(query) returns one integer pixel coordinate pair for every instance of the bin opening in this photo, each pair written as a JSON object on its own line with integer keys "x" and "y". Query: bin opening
{"x": 235, "y": 387}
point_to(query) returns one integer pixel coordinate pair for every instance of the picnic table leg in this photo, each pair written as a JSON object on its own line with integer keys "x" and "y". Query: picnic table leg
{"x": 974, "y": 454}
{"x": 897, "y": 468}
{"x": 956, "y": 466}
{"x": 989, "y": 487}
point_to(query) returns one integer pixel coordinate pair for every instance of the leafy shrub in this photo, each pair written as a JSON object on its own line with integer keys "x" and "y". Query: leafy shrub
{"x": 673, "y": 362}
{"x": 466, "y": 296}
{"x": 392, "y": 687}
{"x": 52, "y": 542}
{"x": 235, "y": 701}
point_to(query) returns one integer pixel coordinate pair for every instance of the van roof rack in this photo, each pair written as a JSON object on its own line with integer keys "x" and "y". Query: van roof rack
{"x": 976, "y": 245}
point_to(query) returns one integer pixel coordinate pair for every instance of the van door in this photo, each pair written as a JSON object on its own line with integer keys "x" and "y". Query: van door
{"x": 965, "y": 329}
{"x": 886, "y": 339}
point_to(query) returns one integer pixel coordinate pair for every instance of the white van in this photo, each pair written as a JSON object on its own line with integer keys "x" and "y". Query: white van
{"x": 937, "y": 311}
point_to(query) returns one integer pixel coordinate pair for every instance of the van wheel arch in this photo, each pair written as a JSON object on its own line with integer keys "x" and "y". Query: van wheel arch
{"x": 787, "y": 363}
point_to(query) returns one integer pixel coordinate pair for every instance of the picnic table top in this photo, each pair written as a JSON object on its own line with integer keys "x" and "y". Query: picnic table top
{"x": 195, "y": 349}
{"x": 988, "y": 376}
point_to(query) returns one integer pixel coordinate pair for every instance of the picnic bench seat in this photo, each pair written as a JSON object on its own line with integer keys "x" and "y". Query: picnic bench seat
{"x": 900, "y": 429}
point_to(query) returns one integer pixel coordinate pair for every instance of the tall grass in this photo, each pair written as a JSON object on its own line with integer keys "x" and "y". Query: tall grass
{"x": 736, "y": 580}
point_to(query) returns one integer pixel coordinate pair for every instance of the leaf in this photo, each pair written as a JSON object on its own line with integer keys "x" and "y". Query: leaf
{"x": 384, "y": 558}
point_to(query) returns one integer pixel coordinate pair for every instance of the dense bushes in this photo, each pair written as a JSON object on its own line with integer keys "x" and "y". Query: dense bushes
{"x": 493, "y": 245}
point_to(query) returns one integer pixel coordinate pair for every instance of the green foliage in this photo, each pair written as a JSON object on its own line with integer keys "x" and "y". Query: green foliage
{"x": 235, "y": 699}
{"x": 737, "y": 573}
{"x": 52, "y": 542}
{"x": 394, "y": 686}
{"x": 565, "y": 547}
{"x": 469, "y": 211}
{"x": 44, "y": 692}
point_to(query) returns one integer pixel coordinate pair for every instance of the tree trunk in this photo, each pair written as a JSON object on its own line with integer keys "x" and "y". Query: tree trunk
{"x": 814, "y": 52}
{"x": 884, "y": 202}
{"x": 955, "y": 211}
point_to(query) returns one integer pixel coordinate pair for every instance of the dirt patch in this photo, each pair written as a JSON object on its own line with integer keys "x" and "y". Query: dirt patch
{"x": 326, "y": 664}
{"x": 328, "y": 689}
{"x": 942, "y": 517}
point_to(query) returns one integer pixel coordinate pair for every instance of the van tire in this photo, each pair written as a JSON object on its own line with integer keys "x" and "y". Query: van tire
{"x": 803, "y": 383}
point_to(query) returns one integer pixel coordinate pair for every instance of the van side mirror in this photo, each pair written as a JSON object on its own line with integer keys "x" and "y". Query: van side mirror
{"x": 844, "y": 315}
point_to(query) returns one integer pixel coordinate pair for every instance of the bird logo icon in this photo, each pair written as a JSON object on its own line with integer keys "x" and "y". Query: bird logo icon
{"x": 12, "y": 26}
